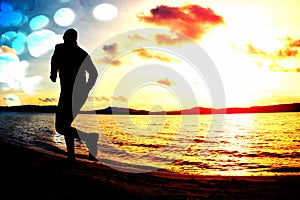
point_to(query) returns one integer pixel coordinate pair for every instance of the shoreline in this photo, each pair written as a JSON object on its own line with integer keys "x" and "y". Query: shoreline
{"x": 272, "y": 108}
{"x": 28, "y": 173}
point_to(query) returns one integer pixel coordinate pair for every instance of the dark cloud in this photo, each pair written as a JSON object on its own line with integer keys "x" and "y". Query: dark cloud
{"x": 191, "y": 20}
{"x": 147, "y": 54}
{"x": 9, "y": 99}
{"x": 111, "y": 49}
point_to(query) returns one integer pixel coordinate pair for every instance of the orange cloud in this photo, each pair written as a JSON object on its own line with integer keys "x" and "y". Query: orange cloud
{"x": 293, "y": 43}
{"x": 191, "y": 20}
{"x": 287, "y": 52}
{"x": 255, "y": 51}
{"x": 6, "y": 49}
{"x": 279, "y": 59}
{"x": 48, "y": 100}
{"x": 146, "y": 54}
{"x": 136, "y": 37}
{"x": 290, "y": 49}
{"x": 110, "y": 61}
{"x": 120, "y": 98}
{"x": 107, "y": 99}
{"x": 102, "y": 98}
{"x": 166, "y": 39}
{"x": 165, "y": 81}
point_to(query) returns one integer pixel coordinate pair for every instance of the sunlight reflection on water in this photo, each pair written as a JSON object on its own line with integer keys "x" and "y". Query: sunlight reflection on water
{"x": 247, "y": 144}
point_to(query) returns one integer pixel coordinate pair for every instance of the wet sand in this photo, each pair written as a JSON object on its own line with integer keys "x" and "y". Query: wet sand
{"x": 32, "y": 174}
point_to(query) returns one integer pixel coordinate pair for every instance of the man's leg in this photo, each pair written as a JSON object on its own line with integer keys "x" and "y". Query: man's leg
{"x": 63, "y": 123}
{"x": 70, "y": 147}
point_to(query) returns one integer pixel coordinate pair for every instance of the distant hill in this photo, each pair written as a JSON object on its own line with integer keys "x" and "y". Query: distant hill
{"x": 295, "y": 107}
{"x": 29, "y": 108}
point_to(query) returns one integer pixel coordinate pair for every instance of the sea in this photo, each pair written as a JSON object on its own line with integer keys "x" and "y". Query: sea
{"x": 262, "y": 144}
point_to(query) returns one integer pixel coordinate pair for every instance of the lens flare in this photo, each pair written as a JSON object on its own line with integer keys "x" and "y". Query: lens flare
{"x": 64, "y": 17}
{"x": 105, "y": 12}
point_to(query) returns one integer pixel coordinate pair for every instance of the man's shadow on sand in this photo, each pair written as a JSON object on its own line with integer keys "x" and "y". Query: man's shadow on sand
{"x": 91, "y": 141}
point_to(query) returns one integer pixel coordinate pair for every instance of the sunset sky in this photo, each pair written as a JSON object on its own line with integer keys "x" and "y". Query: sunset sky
{"x": 254, "y": 45}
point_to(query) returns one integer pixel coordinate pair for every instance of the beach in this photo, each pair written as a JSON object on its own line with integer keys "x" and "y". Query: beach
{"x": 33, "y": 174}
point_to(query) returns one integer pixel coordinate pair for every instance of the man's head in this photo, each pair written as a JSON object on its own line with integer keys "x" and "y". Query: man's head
{"x": 70, "y": 35}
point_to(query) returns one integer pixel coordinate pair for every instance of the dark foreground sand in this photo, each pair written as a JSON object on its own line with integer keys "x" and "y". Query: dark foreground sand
{"x": 31, "y": 174}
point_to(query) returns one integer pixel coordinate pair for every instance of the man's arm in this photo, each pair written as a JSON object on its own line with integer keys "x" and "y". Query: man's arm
{"x": 54, "y": 65}
{"x": 92, "y": 71}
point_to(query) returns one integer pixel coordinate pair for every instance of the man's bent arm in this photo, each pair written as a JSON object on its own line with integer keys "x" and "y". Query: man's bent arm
{"x": 54, "y": 65}
{"x": 92, "y": 71}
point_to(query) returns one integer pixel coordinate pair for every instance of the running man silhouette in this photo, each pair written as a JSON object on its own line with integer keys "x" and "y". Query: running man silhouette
{"x": 72, "y": 63}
